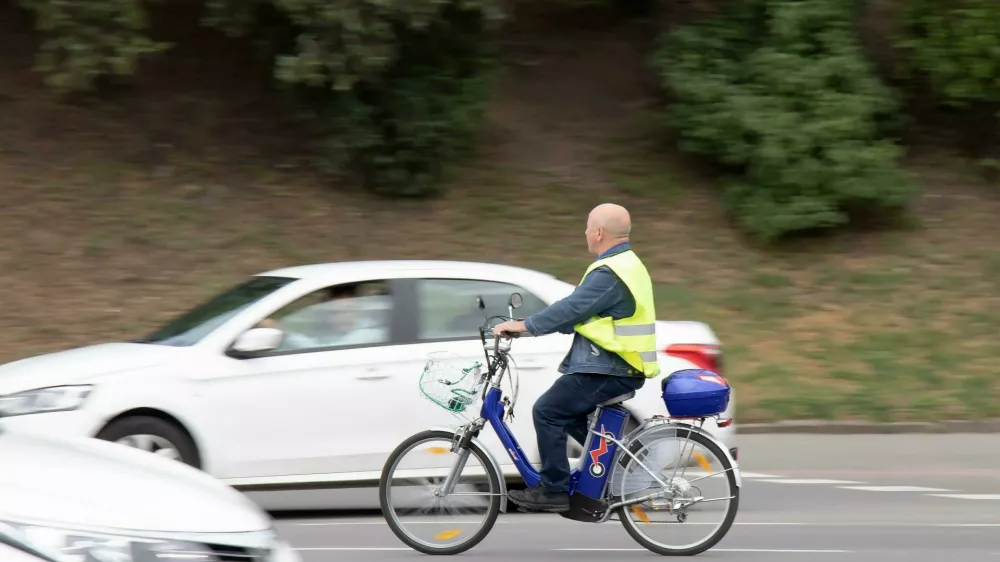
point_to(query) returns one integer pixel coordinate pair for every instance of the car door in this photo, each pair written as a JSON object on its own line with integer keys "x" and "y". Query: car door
{"x": 316, "y": 400}
{"x": 445, "y": 320}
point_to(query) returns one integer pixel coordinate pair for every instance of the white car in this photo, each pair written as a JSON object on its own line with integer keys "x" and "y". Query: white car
{"x": 13, "y": 549}
{"x": 73, "y": 500}
{"x": 311, "y": 405}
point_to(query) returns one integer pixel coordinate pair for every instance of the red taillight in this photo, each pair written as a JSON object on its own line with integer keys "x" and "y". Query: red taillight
{"x": 704, "y": 356}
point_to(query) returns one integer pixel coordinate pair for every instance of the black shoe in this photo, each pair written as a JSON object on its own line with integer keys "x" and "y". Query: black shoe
{"x": 538, "y": 499}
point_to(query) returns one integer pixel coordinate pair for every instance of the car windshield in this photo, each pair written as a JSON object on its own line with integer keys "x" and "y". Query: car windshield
{"x": 195, "y": 324}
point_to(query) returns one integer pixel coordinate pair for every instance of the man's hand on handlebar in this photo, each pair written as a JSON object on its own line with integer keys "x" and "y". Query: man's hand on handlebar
{"x": 509, "y": 329}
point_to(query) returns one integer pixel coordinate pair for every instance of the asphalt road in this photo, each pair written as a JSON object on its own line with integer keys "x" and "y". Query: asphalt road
{"x": 879, "y": 498}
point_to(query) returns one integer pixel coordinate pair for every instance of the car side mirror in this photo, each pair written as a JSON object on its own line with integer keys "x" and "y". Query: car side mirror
{"x": 257, "y": 340}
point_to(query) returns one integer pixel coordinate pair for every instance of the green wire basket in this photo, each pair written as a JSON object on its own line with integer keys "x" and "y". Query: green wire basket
{"x": 452, "y": 383}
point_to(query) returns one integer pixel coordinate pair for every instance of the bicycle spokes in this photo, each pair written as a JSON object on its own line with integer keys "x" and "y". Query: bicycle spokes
{"x": 439, "y": 499}
{"x": 693, "y": 502}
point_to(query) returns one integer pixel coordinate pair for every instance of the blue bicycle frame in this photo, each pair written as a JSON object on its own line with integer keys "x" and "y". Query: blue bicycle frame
{"x": 587, "y": 481}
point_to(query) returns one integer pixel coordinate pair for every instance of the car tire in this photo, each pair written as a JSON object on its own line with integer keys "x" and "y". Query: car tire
{"x": 160, "y": 434}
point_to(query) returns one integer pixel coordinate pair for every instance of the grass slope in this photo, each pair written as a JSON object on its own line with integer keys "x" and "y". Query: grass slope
{"x": 116, "y": 218}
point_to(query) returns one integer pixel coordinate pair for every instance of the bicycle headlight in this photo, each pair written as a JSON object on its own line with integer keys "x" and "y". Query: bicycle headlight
{"x": 52, "y": 399}
{"x": 68, "y": 545}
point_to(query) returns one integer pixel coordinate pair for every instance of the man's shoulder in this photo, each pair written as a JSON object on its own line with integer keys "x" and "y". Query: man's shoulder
{"x": 601, "y": 274}
{"x": 604, "y": 278}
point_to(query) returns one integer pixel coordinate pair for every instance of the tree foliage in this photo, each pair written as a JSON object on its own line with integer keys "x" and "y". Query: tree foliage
{"x": 955, "y": 45}
{"x": 87, "y": 39}
{"x": 400, "y": 127}
{"x": 396, "y": 86}
{"x": 781, "y": 91}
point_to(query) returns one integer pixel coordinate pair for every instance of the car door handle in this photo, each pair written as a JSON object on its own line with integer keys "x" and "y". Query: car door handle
{"x": 372, "y": 376}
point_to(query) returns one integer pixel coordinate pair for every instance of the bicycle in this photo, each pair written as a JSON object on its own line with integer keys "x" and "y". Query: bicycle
{"x": 598, "y": 489}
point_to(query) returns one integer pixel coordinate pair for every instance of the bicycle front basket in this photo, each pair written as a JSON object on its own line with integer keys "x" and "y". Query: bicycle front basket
{"x": 452, "y": 383}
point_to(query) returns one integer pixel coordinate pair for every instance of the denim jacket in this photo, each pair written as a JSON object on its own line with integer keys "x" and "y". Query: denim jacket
{"x": 602, "y": 293}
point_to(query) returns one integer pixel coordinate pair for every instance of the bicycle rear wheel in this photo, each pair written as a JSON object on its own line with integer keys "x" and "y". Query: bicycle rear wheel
{"x": 439, "y": 521}
{"x": 700, "y": 504}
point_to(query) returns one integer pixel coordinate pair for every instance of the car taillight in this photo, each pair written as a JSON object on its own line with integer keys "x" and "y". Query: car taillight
{"x": 703, "y": 356}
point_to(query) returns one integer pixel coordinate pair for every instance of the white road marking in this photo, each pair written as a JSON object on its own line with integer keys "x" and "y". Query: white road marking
{"x": 767, "y": 550}
{"x": 811, "y": 481}
{"x": 758, "y": 475}
{"x": 397, "y": 549}
{"x": 760, "y": 523}
{"x": 964, "y": 525}
{"x": 343, "y": 548}
{"x": 536, "y": 522}
{"x": 968, "y": 496}
{"x": 689, "y": 523}
{"x": 382, "y": 522}
{"x": 894, "y": 489}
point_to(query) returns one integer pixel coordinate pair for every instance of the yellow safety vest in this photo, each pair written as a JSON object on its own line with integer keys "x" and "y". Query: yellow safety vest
{"x": 632, "y": 338}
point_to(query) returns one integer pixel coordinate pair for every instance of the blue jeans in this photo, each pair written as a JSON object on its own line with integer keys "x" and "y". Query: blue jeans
{"x": 562, "y": 410}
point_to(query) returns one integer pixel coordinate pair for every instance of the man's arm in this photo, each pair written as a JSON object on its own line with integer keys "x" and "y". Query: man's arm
{"x": 600, "y": 290}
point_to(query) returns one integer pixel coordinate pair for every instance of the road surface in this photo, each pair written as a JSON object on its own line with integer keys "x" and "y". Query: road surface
{"x": 882, "y": 498}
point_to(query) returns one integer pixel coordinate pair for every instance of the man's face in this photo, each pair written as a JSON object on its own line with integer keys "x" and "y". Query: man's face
{"x": 593, "y": 235}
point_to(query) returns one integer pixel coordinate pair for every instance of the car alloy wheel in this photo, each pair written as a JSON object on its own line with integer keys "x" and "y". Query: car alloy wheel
{"x": 151, "y": 444}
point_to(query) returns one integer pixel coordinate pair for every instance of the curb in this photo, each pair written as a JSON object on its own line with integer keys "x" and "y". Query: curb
{"x": 856, "y": 428}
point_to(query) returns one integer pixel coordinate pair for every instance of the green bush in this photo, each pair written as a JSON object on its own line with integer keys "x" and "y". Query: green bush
{"x": 84, "y": 40}
{"x": 781, "y": 92}
{"x": 400, "y": 128}
{"x": 396, "y": 88}
{"x": 955, "y": 46}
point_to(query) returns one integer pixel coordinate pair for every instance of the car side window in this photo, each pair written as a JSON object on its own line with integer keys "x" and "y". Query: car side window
{"x": 352, "y": 315}
{"x": 447, "y": 307}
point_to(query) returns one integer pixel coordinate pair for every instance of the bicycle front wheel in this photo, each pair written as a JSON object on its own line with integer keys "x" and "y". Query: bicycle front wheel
{"x": 429, "y": 511}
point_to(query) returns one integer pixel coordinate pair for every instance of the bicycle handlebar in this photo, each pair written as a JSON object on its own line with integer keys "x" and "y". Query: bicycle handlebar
{"x": 509, "y": 335}
{"x": 497, "y": 364}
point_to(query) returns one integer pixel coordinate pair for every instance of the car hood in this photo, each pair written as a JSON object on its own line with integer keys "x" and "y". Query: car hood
{"x": 88, "y": 483}
{"x": 80, "y": 365}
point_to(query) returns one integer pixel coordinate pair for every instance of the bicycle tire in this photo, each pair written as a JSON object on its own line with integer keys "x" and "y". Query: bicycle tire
{"x": 713, "y": 539}
{"x": 401, "y": 534}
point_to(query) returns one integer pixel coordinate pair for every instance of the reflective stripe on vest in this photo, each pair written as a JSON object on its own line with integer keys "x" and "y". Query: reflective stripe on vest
{"x": 632, "y": 338}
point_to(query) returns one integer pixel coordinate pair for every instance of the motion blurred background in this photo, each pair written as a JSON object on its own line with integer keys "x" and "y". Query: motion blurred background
{"x": 815, "y": 179}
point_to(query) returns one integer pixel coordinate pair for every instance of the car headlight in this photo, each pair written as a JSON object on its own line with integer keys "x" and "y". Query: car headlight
{"x": 52, "y": 399}
{"x": 283, "y": 552}
{"x": 65, "y": 545}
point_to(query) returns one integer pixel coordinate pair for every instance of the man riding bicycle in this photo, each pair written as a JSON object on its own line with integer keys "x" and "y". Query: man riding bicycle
{"x": 613, "y": 352}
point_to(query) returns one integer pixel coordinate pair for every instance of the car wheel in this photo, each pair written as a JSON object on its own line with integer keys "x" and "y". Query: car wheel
{"x": 153, "y": 435}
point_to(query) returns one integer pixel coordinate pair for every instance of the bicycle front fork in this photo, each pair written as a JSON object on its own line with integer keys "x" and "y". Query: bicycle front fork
{"x": 449, "y": 481}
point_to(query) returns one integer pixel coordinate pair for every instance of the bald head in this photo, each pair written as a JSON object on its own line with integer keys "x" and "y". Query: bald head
{"x": 614, "y": 219}
{"x": 607, "y": 225}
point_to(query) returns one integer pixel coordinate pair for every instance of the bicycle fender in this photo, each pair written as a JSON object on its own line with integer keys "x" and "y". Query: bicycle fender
{"x": 721, "y": 445}
{"x": 695, "y": 429}
{"x": 492, "y": 460}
